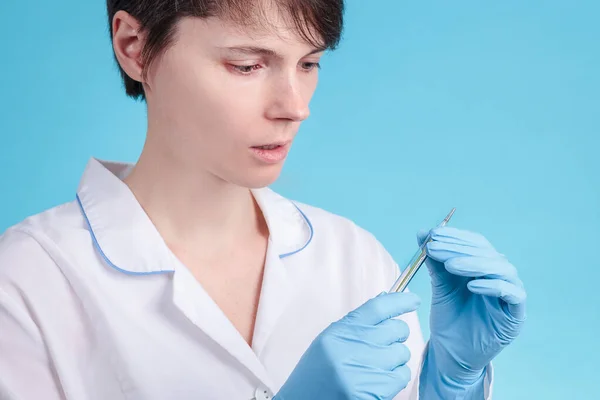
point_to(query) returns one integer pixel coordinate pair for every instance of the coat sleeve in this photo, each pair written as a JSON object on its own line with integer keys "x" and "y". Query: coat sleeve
{"x": 26, "y": 372}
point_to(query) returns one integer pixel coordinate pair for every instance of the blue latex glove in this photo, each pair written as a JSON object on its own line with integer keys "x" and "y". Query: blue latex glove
{"x": 361, "y": 356}
{"x": 478, "y": 308}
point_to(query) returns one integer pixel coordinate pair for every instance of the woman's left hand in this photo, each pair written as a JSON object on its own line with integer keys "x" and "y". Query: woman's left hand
{"x": 478, "y": 303}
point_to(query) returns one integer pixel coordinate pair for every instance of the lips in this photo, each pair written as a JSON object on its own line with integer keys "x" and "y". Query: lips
{"x": 271, "y": 153}
{"x": 267, "y": 147}
{"x": 270, "y": 146}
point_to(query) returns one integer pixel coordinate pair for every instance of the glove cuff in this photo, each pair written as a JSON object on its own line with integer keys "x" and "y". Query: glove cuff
{"x": 434, "y": 383}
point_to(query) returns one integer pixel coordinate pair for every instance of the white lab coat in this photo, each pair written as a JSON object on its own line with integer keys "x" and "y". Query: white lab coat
{"x": 93, "y": 305}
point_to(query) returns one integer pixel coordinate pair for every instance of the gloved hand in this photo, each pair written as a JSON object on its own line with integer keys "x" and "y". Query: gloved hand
{"x": 361, "y": 356}
{"x": 478, "y": 308}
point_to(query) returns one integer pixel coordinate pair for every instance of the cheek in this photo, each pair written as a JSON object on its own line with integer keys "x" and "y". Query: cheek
{"x": 231, "y": 106}
{"x": 206, "y": 101}
{"x": 231, "y": 112}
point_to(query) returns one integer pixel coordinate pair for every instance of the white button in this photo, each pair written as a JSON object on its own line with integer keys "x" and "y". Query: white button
{"x": 263, "y": 394}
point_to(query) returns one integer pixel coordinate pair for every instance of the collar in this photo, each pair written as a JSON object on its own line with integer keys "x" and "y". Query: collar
{"x": 128, "y": 241}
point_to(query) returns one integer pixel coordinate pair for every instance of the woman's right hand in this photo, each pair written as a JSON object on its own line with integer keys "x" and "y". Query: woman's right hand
{"x": 361, "y": 356}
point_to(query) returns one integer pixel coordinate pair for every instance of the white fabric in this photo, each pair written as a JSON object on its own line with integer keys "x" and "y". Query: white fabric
{"x": 93, "y": 305}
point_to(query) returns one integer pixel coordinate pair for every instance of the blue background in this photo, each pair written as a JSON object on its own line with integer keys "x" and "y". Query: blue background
{"x": 490, "y": 107}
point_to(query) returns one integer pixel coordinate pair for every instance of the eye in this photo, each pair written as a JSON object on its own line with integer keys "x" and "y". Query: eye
{"x": 245, "y": 69}
{"x": 309, "y": 66}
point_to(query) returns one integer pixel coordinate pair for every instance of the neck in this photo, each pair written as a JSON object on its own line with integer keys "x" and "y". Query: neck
{"x": 190, "y": 207}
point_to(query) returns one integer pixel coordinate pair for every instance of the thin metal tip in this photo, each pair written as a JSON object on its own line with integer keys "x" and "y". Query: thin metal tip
{"x": 450, "y": 215}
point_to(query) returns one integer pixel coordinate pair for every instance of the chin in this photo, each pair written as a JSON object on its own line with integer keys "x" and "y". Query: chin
{"x": 258, "y": 177}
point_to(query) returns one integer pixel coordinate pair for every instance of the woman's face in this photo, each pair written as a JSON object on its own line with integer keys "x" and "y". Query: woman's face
{"x": 222, "y": 90}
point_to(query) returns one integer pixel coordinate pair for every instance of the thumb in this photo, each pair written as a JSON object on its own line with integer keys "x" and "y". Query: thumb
{"x": 437, "y": 271}
{"x": 383, "y": 307}
{"x": 421, "y": 236}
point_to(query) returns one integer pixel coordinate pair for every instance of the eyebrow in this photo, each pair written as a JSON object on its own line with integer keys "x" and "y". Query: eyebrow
{"x": 254, "y": 50}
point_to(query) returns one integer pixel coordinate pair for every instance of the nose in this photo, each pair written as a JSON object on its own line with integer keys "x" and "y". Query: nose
{"x": 289, "y": 101}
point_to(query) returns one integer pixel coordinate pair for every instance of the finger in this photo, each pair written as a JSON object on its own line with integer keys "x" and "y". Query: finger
{"x": 421, "y": 236}
{"x": 437, "y": 271}
{"x": 387, "y": 384}
{"x": 393, "y": 356}
{"x": 383, "y": 307}
{"x": 483, "y": 267}
{"x": 513, "y": 295}
{"x": 442, "y": 251}
{"x": 401, "y": 376}
{"x": 509, "y": 292}
{"x": 463, "y": 237}
{"x": 390, "y": 331}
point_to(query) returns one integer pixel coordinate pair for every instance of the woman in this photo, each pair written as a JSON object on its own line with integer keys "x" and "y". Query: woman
{"x": 184, "y": 277}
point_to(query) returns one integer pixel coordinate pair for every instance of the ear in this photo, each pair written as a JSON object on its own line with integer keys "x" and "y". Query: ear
{"x": 128, "y": 43}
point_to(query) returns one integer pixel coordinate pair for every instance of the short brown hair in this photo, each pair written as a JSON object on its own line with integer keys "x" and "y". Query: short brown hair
{"x": 319, "y": 22}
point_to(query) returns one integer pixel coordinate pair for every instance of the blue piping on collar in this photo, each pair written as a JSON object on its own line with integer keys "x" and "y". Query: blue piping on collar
{"x": 112, "y": 265}
{"x": 97, "y": 245}
{"x": 309, "y": 239}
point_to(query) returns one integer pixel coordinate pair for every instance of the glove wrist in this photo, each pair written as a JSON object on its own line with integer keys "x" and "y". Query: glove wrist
{"x": 451, "y": 369}
{"x": 439, "y": 382}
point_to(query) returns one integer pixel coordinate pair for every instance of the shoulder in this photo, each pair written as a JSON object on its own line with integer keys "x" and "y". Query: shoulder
{"x": 341, "y": 238}
{"x": 29, "y": 249}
